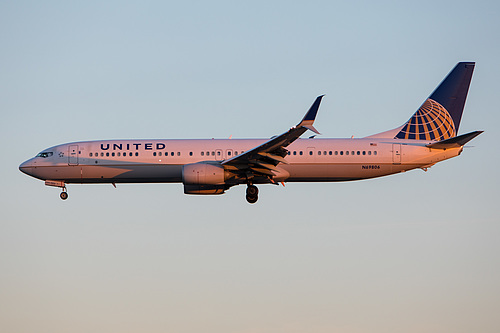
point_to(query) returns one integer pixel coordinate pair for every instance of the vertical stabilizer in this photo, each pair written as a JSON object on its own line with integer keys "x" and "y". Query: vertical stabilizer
{"x": 439, "y": 116}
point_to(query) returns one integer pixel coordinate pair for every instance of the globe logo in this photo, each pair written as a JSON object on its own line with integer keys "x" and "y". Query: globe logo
{"x": 430, "y": 122}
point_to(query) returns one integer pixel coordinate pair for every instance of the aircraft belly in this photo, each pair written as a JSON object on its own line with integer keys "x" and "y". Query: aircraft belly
{"x": 343, "y": 172}
{"x": 144, "y": 173}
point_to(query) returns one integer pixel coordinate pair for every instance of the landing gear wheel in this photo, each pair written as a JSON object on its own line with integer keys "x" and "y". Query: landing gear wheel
{"x": 64, "y": 195}
{"x": 252, "y": 200}
{"x": 252, "y": 194}
{"x": 252, "y": 190}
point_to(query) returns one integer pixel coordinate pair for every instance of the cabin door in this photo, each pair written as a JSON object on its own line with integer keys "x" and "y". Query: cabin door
{"x": 73, "y": 155}
{"x": 396, "y": 153}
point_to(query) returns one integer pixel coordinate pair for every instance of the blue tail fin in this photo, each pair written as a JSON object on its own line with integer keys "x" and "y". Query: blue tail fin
{"x": 439, "y": 116}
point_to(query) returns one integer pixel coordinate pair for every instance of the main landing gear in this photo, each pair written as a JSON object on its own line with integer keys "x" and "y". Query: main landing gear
{"x": 252, "y": 194}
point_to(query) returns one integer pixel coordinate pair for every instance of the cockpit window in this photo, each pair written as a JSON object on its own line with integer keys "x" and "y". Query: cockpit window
{"x": 45, "y": 154}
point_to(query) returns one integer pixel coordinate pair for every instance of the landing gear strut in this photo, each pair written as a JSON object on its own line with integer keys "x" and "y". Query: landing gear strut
{"x": 252, "y": 194}
{"x": 64, "y": 194}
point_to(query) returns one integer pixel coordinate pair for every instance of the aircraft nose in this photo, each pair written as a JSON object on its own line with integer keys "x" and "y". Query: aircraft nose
{"x": 26, "y": 167}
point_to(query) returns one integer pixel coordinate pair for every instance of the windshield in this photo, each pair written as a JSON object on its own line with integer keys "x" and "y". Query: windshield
{"x": 45, "y": 154}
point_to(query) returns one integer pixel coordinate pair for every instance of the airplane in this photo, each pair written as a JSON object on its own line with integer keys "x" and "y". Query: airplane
{"x": 212, "y": 166}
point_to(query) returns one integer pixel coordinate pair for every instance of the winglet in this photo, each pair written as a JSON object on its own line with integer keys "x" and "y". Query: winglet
{"x": 310, "y": 116}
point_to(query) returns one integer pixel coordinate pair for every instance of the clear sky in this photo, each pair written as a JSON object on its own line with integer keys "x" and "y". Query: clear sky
{"x": 417, "y": 252}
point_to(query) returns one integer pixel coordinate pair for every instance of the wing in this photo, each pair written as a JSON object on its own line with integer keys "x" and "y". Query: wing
{"x": 262, "y": 160}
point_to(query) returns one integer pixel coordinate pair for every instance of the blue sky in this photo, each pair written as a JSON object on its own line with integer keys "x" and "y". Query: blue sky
{"x": 414, "y": 252}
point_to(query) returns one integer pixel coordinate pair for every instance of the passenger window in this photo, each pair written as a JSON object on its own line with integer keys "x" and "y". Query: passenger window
{"x": 159, "y": 153}
{"x": 136, "y": 154}
{"x": 319, "y": 152}
{"x": 113, "y": 154}
{"x": 375, "y": 152}
{"x": 369, "y": 152}
{"x": 178, "y": 153}
{"x": 358, "y": 153}
{"x": 295, "y": 153}
{"x": 310, "y": 153}
{"x": 154, "y": 153}
{"x": 213, "y": 153}
{"x": 341, "y": 152}
{"x": 364, "y": 152}
{"x": 172, "y": 154}
{"x": 102, "y": 154}
{"x": 300, "y": 152}
{"x": 202, "y": 153}
{"x": 90, "y": 154}
{"x": 336, "y": 152}
{"x": 190, "y": 153}
{"x": 107, "y": 154}
{"x": 347, "y": 152}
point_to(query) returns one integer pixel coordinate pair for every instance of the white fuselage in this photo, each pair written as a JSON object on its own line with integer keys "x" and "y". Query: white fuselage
{"x": 161, "y": 161}
{"x": 210, "y": 167}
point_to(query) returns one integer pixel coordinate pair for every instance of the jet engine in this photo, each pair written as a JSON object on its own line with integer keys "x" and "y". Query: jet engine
{"x": 204, "y": 178}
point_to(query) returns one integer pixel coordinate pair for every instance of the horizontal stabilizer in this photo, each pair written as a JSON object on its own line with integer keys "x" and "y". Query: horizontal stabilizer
{"x": 455, "y": 142}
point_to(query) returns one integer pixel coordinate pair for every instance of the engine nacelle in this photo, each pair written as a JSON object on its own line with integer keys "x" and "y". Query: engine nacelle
{"x": 204, "y": 189}
{"x": 204, "y": 178}
{"x": 203, "y": 174}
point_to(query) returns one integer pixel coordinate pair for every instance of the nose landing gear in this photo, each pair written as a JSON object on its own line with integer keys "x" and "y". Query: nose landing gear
{"x": 252, "y": 194}
{"x": 64, "y": 194}
{"x": 60, "y": 184}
